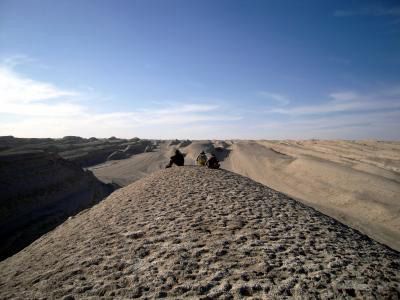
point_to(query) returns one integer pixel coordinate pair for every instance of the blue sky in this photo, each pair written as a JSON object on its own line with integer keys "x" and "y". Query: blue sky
{"x": 200, "y": 69}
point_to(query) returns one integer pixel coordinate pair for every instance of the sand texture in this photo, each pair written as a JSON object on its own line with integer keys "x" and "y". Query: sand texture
{"x": 356, "y": 182}
{"x": 126, "y": 171}
{"x": 191, "y": 232}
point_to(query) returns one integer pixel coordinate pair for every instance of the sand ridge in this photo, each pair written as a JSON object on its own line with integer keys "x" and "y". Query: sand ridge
{"x": 356, "y": 182}
{"x": 192, "y": 232}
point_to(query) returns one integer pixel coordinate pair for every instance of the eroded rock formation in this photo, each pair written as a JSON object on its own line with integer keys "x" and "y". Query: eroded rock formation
{"x": 84, "y": 152}
{"x": 40, "y": 190}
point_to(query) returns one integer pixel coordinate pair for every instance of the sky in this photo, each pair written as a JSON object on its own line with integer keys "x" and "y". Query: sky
{"x": 272, "y": 69}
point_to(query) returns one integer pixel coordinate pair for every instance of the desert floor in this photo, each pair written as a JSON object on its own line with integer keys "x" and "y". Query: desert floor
{"x": 194, "y": 232}
{"x": 355, "y": 182}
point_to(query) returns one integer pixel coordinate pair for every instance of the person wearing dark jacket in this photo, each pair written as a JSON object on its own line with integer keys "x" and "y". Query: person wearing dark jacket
{"x": 178, "y": 159}
{"x": 213, "y": 162}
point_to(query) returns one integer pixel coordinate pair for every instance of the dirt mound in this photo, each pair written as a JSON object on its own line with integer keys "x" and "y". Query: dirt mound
{"x": 194, "y": 232}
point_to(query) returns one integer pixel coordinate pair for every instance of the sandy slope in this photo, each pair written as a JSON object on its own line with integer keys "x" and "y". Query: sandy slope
{"x": 124, "y": 172}
{"x": 193, "y": 232}
{"x": 357, "y": 183}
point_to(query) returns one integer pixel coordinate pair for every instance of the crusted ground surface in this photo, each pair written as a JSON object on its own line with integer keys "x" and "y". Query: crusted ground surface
{"x": 193, "y": 232}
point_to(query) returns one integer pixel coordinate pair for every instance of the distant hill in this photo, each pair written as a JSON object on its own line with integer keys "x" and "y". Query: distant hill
{"x": 84, "y": 152}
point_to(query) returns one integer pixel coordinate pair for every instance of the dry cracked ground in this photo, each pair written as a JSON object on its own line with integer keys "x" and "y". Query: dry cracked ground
{"x": 191, "y": 232}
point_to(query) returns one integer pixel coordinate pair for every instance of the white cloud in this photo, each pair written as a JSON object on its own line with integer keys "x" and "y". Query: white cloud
{"x": 41, "y": 109}
{"x": 35, "y": 108}
{"x": 329, "y": 107}
{"x": 187, "y": 108}
{"x": 345, "y": 102}
{"x": 377, "y": 125}
{"x": 277, "y": 98}
{"x": 32, "y": 108}
{"x": 18, "y": 89}
{"x": 26, "y": 97}
{"x": 15, "y": 60}
{"x": 346, "y": 114}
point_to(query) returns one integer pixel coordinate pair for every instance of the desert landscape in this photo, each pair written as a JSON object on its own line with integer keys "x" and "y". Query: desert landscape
{"x": 199, "y": 149}
{"x": 192, "y": 232}
{"x": 42, "y": 183}
{"x": 355, "y": 182}
{"x": 293, "y": 223}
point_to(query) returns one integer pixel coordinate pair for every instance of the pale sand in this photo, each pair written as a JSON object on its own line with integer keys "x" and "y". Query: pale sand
{"x": 356, "y": 182}
{"x": 191, "y": 232}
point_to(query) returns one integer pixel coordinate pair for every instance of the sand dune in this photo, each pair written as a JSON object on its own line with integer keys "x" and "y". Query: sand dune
{"x": 191, "y": 232}
{"x": 356, "y": 182}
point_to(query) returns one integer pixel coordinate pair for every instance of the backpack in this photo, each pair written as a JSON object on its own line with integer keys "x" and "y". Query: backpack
{"x": 201, "y": 160}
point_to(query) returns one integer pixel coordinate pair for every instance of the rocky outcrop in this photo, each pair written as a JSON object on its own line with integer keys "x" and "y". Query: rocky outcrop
{"x": 89, "y": 153}
{"x": 73, "y": 139}
{"x": 185, "y": 143}
{"x": 131, "y": 149}
{"x": 84, "y": 152}
{"x": 40, "y": 190}
{"x": 119, "y": 154}
{"x": 195, "y": 233}
{"x": 174, "y": 142}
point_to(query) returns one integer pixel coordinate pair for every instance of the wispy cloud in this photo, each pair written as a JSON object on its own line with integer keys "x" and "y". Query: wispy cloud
{"x": 275, "y": 97}
{"x": 32, "y": 108}
{"x": 345, "y": 102}
{"x": 37, "y": 108}
{"x": 393, "y": 91}
{"x": 27, "y": 97}
{"x": 18, "y": 89}
{"x": 375, "y": 11}
{"x": 344, "y": 114}
{"x": 16, "y": 59}
{"x": 378, "y": 125}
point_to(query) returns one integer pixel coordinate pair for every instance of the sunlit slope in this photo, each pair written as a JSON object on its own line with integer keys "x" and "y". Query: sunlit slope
{"x": 191, "y": 232}
{"x": 357, "y": 183}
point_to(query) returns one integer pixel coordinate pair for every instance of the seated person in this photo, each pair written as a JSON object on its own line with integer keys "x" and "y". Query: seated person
{"x": 178, "y": 159}
{"x": 213, "y": 162}
{"x": 201, "y": 159}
